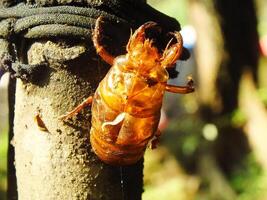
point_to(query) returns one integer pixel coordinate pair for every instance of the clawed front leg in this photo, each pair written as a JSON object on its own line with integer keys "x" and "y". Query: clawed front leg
{"x": 102, "y": 52}
{"x": 76, "y": 110}
{"x": 181, "y": 89}
{"x": 172, "y": 52}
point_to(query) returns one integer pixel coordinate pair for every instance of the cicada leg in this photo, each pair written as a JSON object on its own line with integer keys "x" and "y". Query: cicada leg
{"x": 173, "y": 52}
{"x": 76, "y": 110}
{"x": 139, "y": 35}
{"x": 102, "y": 52}
{"x": 181, "y": 89}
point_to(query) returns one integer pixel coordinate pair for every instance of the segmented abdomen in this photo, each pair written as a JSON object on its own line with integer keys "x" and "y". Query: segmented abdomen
{"x": 128, "y": 95}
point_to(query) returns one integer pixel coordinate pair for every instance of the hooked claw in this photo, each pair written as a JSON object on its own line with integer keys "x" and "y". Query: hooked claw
{"x": 172, "y": 53}
{"x": 139, "y": 34}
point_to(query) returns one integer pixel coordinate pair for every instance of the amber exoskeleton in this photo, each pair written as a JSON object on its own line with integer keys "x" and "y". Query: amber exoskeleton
{"x": 126, "y": 105}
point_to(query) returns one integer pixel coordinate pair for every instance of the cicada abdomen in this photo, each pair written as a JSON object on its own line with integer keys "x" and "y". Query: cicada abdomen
{"x": 125, "y": 115}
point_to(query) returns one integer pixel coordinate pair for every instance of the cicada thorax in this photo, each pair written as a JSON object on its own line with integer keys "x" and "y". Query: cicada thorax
{"x": 125, "y": 90}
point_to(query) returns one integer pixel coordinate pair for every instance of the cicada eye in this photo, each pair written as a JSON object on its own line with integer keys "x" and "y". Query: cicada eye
{"x": 151, "y": 82}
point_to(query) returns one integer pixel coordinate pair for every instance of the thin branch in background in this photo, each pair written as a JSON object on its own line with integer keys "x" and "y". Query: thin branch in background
{"x": 11, "y": 172}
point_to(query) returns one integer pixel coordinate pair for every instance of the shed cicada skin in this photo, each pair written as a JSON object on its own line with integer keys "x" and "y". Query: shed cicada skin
{"x": 126, "y": 105}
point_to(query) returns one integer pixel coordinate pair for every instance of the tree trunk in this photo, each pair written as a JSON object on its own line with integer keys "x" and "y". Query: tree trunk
{"x": 241, "y": 53}
{"x": 226, "y": 49}
{"x": 241, "y": 66}
{"x": 58, "y": 163}
{"x": 220, "y": 74}
{"x": 53, "y": 158}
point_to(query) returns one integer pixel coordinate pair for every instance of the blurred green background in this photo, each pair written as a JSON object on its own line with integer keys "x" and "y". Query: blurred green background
{"x": 207, "y": 151}
{"x": 3, "y": 136}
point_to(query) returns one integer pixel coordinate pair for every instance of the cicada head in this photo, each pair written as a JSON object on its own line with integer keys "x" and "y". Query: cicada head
{"x": 141, "y": 51}
{"x": 145, "y": 60}
{"x": 144, "y": 55}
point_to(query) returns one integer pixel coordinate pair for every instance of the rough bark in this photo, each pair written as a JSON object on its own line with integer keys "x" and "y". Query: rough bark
{"x": 57, "y": 162}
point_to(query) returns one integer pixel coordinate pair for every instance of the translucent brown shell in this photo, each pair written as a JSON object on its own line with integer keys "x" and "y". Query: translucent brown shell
{"x": 132, "y": 91}
{"x": 126, "y": 105}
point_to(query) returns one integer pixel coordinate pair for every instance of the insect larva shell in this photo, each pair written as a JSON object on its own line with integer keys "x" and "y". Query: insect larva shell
{"x": 125, "y": 142}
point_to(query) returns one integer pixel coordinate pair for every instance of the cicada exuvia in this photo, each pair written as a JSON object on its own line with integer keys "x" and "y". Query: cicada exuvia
{"x": 126, "y": 105}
